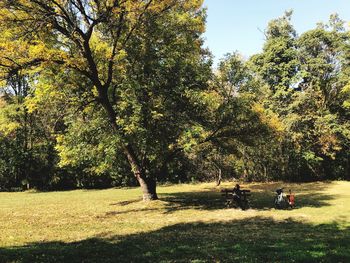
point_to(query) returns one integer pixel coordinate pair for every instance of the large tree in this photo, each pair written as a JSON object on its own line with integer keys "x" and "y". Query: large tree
{"x": 278, "y": 63}
{"x": 307, "y": 77}
{"x": 140, "y": 61}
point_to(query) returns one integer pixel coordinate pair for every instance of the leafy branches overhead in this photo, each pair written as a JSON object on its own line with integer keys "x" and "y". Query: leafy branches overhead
{"x": 97, "y": 91}
{"x": 63, "y": 31}
{"x": 136, "y": 60}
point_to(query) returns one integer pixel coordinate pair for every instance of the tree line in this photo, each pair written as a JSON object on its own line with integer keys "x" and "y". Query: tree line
{"x": 108, "y": 93}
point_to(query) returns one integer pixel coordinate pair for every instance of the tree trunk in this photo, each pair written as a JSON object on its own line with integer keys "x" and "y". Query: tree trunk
{"x": 218, "y": 181}
{"x": 219, "y": 178}
{"x": 148, "y": 185}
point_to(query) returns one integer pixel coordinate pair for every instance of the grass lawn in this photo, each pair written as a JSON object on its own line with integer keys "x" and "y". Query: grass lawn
{"x": 188, "y": 224}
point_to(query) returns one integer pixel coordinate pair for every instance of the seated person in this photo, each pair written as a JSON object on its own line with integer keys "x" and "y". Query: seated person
{"x": 237, "y": 195}
{"x": 291, "y": 199}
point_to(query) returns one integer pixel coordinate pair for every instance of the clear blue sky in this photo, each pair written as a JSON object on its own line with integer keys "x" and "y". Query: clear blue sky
{"x": 234, "y": 24}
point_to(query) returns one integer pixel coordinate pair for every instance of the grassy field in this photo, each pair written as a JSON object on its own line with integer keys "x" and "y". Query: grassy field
{"x": 188, "y": 224}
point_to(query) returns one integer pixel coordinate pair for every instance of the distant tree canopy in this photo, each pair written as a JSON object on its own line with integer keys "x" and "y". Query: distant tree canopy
{"x": 110, "y": 93}
{"x": 307, "y": 78}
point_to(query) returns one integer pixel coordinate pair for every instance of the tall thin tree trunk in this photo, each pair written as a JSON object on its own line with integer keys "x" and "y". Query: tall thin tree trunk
{"x": 218, "y": 181}
{"x": 148, "y": 185}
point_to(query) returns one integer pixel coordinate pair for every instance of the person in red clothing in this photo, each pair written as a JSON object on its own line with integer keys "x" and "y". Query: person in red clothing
{"x": 291, "y": 199}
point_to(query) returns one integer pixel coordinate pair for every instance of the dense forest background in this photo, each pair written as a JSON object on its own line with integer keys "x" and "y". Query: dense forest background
{"x": 282, "y": 114}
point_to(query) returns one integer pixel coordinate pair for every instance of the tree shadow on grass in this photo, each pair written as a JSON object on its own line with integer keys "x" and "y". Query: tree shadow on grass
{"x": 296, "y": 187}
{"x": 259, "y": 200}
{"x": 206, "y": 200}
{"x": 306, "y": 194}
{"x": 265, "y": 200}
{"x": 256, "y": 239}
{"x": 115, "y": 213}
{"x": 127, "y": 202}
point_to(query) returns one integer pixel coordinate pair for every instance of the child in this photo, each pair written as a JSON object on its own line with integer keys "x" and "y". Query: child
{"x": 291, "y": 199}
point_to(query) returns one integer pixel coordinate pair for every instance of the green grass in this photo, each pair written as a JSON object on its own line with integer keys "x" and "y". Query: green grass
{"x": 188, "y": 224}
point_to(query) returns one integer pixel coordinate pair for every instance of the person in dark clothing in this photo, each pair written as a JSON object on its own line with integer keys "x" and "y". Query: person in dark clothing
{"x": 237, "y": 195}
{"x": 237, "y": 190}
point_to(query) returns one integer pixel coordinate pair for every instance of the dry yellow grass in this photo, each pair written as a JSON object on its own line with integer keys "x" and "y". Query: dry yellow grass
{"x": 55, "y": 222}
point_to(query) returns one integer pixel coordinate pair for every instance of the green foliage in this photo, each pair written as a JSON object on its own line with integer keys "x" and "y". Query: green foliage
{"x": 315, "y": 124}
{"x": 139, "y": 62}
{"x": 278, "y": 63}
{"x": 98, "y": 93}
